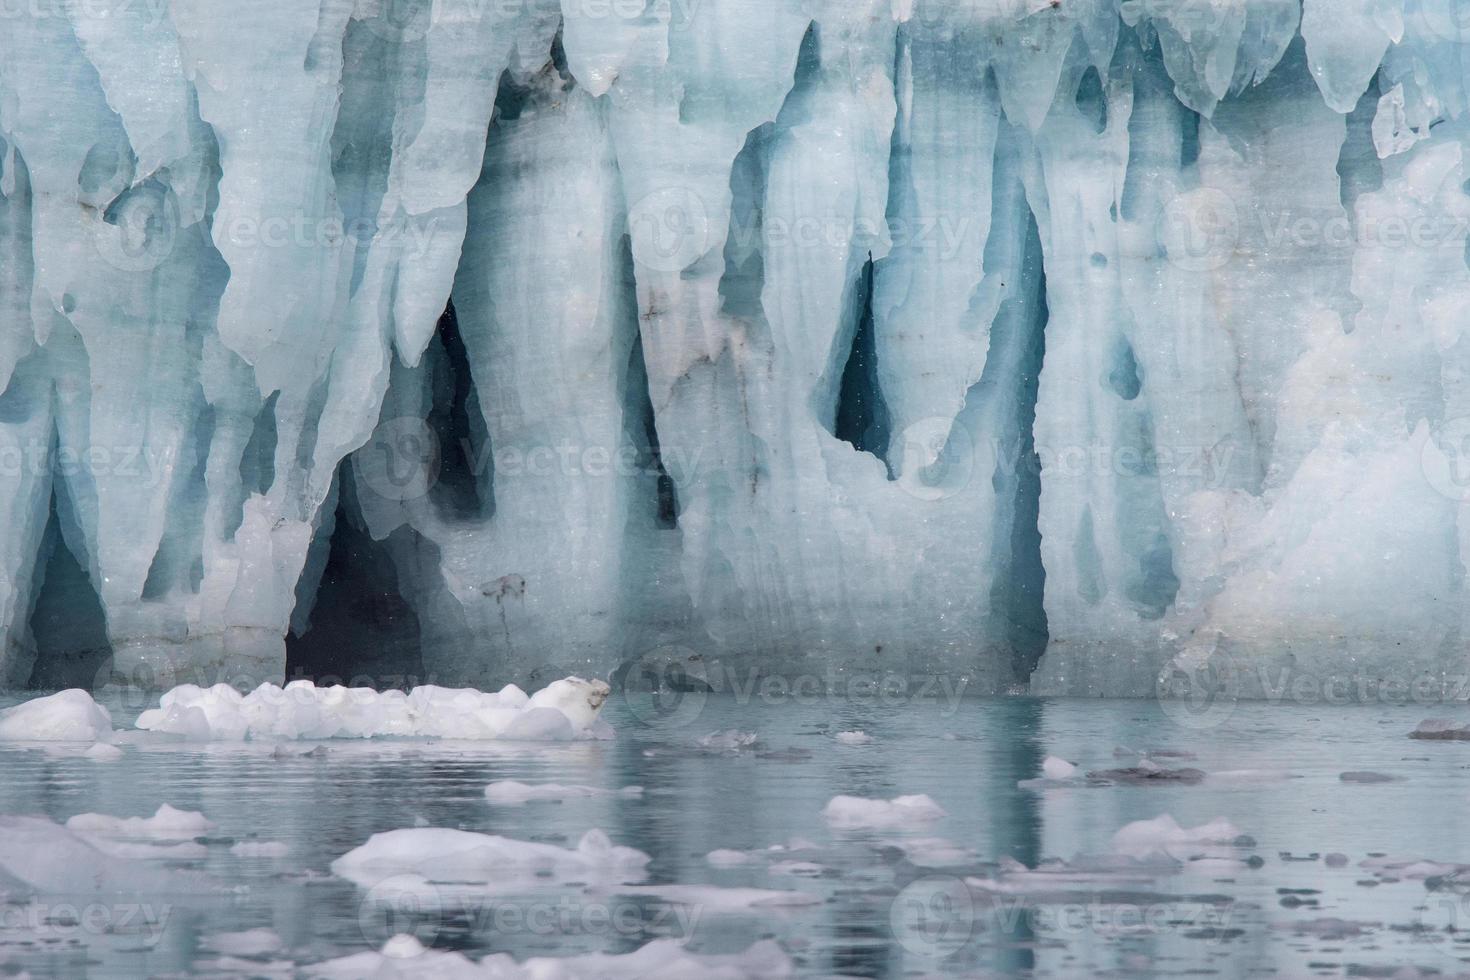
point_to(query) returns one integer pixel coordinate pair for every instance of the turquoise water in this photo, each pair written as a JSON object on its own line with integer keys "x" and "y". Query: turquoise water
{"x": 877, "y": 909}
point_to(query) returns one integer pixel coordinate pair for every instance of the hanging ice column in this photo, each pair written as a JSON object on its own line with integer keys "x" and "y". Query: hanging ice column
{"x": 530, "y": 572}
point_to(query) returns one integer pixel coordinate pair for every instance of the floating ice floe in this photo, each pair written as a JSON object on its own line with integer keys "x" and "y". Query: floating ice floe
{"x": 853, "y": 738}
{"x": 728, "y": 858}
{"x": 1412, "y": 869}
{"x": 460, "y": 857}
{"x": 509, "y": 792}
{"x": 103, "y": 752}
{"x": 50, "y": 858}
{"x": 167, "y": 823}
{"x": 1147, "y": 773}
{"x": 404, "y": 956}
{"x": 1163, "y": 837}
{"x": 1057, "y": 769}
{"x": 168, "y": 835}
{"x": 936, "y": 852}
{"x": 1441, "y": 730}
{"x": 562, "y": 711}
{"x": 69, "y": 716}
{"x": 856, "y": 812}
{"x": 1054, "y": 772}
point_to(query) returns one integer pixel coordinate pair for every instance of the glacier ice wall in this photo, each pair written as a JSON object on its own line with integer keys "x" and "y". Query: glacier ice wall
{"x": 1048, "y": 342}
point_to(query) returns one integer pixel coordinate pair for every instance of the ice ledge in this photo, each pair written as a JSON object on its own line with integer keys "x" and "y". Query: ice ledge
{"x": 562, "y": 711}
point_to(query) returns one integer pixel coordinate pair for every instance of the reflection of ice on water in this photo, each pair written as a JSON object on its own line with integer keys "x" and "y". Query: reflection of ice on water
{"x": 1006, "y": 878}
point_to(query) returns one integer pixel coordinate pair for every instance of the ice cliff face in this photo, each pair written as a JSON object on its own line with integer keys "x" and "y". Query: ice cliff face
{"x": 1047, "y": 340}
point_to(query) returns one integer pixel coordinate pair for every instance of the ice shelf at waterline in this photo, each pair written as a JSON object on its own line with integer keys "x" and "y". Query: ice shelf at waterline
{"x": 1023, "y": 342}
{"x": 564, "y": 710}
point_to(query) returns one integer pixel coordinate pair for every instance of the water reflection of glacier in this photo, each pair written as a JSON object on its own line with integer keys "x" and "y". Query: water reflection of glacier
{"x": 1321, "y": 872}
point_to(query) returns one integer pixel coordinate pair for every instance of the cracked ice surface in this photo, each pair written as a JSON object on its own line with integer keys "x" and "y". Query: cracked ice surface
{"x": 1015, "y": 341}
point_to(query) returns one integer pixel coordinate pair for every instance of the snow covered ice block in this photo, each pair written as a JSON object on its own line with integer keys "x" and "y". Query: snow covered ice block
{"x": 405, "y": 957}
{"x": 51, "y": 858}
{"x": 166, "y": 824}
{"x": 562, "y": 711}
{"x": 444, "y": 856}
{"x": 70, "y": 716}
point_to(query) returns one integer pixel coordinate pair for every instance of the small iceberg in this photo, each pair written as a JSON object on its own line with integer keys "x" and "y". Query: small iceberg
{"x": 564, "y": 710}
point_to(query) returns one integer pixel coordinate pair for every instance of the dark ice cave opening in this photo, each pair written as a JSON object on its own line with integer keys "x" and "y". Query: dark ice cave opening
{"x": 862, "y": 415}
{"x": 67, "y": 624}
{"x": 361, "y": 631}
{"x": 465, "y": 485}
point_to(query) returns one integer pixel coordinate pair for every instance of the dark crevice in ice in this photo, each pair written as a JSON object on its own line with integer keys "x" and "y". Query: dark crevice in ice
{"x": 1189, "y": 121}
{"x": 1092, "y": 101}
{"x": 258, "y": 462}
{"x": 67, "y": 624}
{"x": 861, "y": 416}
{"x": 640, "y": 421}
{"x": 465, "y": 486}
{"x": 744, "y": 276}
{"x": 1142, "y": 522}
{"x": 362, "y": 631}
{"x": 1018, "y": 349}
{"x": 179, "y": 560}
{"x": 1359, "y": 171}
{"x": 1123, "y": 376}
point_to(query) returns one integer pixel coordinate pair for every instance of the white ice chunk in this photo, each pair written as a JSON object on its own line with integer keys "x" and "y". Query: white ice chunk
{"x": 1163, "y": 837}
{"x": 166, "y": 824}
{"x": 70, "y": 716}
{"x": 1058, "y": 769}
{"x": 443, "y": 855}
{"x": 250, "y": 942}
{"x": 50, "y": 858}
{"x": 103, "y": 752}
{"x": 404, "y": 956}
{"x": 856, "y": 812}
{"x": 564, "y": 710}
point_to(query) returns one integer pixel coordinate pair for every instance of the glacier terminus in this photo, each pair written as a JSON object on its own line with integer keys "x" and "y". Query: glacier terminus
{"x": 1054, "y": 345}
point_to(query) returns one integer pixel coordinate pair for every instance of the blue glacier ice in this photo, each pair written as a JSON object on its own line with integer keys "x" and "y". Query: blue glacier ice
{"x": 1049, "y": 343}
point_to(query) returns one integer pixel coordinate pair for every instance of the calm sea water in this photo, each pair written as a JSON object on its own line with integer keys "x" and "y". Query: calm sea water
{"x": 879, "y": 912}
